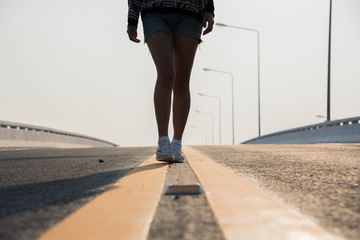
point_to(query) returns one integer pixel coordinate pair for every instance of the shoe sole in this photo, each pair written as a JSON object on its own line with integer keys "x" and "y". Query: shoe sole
{"x": 179, "y": 160}
{"x": 165, "y": 158}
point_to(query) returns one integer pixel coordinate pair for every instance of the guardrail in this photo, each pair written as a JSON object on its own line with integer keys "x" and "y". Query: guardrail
{"x": 23, "y": 135}
{"x": 338, "y": 131}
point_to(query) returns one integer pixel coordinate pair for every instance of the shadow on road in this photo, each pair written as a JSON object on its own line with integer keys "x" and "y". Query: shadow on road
{"x": 36, "y": 196}
{"x": 148, "y": 167}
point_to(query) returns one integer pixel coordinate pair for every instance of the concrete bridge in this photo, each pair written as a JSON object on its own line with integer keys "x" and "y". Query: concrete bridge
{"x": 20, "y": 135}
{"x": 339, "y": 131}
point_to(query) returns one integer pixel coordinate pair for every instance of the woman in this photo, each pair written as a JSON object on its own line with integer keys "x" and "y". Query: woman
{"x": 172, "y": 30}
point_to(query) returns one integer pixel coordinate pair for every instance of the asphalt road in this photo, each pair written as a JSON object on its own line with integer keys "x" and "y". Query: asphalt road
{"x": 319, "y": 181}
{"x": 38, "y": 188}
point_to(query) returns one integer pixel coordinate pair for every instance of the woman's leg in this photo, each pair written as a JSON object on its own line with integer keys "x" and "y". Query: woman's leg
{"x": 161, "y": 47}
{"x": 184, "y": 54}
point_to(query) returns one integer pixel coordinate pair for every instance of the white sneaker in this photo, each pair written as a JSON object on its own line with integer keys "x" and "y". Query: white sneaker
{"x": 177, "y": 153}
{"x": 163, "y": 152}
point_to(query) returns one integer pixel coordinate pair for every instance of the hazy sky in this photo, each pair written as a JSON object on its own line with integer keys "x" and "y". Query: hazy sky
{"x": 68, "y": 64}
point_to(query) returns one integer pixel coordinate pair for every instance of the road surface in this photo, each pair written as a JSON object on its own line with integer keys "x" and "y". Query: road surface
{"x": 320, "y": 184}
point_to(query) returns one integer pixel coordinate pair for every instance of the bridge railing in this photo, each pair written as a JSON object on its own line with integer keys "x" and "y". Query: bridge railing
{"x": 14, "y": 134}
{"x": 338, "y": 131}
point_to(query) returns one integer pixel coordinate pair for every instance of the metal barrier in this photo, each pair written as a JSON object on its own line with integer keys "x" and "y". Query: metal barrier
{"x": 22, "y": 135}
{"x": 338, "y": 131}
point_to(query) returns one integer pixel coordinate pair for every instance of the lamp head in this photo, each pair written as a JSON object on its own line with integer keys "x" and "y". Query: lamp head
{"x": 220, "y": 24}
{"x": 206, "y": 69}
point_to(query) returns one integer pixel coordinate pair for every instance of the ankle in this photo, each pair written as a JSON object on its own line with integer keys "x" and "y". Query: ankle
{"x": 164, "y": 139}
{"x": 176, "y": 141}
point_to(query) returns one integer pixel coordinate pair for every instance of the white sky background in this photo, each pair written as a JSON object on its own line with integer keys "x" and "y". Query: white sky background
{"x": 68, "y": 64}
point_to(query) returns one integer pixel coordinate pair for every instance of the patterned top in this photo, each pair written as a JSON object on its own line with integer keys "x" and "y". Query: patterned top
{"x": 193, "y": 8}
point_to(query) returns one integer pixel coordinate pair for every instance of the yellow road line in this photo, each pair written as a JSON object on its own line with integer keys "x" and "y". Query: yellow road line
{"x": 245, "y": 212}
{"x": 125, "y": 211}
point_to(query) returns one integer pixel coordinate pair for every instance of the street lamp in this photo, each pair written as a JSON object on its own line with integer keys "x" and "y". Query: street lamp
{"x": 206, "y": 95}
{"x": 203, "y": 130}
{"x": 212, "y": 121}
{"x": 328, "y": 117}
{"x": 232, "y": 97}
{"x": 258, "y": 56}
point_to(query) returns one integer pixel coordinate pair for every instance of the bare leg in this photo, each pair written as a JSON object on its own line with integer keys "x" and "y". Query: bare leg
{"x": 161, "y": 48}
{"x": 184, "y": 54}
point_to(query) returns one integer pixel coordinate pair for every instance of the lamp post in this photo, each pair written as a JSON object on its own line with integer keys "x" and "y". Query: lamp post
{"x": 328, "y": 116}
{"x": 258, "y": 57}
{"x": 203, "y": 130}
{"x": 212, "y": 124}
{"x": 218, "y": 98}
{"x": 232, "y": 98}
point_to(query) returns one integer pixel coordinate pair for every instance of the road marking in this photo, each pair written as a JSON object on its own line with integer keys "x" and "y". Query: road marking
{"x": 245, "y": 212}
{"x": 124, "y": 211}
{"x": 183, "y": 190}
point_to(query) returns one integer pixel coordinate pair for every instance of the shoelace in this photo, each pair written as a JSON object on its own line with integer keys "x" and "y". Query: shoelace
{"x": 176, "y": 148}
{"x": 164, "y": 146}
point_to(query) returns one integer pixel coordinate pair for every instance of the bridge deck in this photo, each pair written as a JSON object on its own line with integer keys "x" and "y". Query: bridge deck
{"x": 250, "y": 192}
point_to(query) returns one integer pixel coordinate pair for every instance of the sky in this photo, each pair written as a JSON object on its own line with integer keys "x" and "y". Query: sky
{"x": 68, "y": 65}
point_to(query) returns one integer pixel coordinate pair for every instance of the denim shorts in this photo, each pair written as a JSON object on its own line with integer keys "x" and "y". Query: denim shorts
{"x": 173, "y": 23}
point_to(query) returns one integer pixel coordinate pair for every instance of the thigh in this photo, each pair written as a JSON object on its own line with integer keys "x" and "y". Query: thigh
{"x": 161, "y": 48}
{"x": 184, "y": 54}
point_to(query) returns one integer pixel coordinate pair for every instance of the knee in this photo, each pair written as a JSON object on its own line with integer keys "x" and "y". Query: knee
{"x": 181, "y": 86}
{"x": 166, "y": 77}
